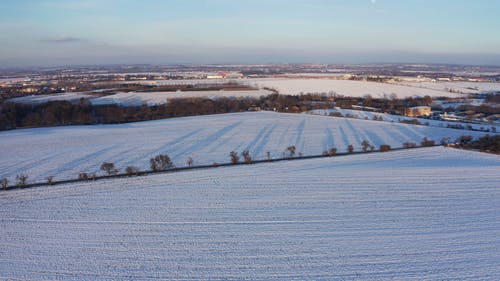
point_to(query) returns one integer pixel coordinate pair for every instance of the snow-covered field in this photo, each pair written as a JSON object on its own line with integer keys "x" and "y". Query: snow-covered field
{"x": 178, "y": 82}
{"x": 426, "y": 214}
{"x": 296, "y": 86}
{"x": 64, "y": 152}
{"x": 457, "y": 103}
{"x": 14, "y": 79}
{"x": 155, "y": 98}
{"x": 37, "y": 99}
{"x": 463, "y": 87}
{"x": 283, "y": 85}
{"x": 347, "y": 88}
{"x": 397, "y": 118}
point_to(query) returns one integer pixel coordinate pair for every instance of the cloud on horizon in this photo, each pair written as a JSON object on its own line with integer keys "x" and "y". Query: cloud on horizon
{"x": 62, "y": 40}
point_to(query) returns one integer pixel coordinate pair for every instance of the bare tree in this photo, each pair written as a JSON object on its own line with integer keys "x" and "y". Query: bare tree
{"x": 427, "y": 142}
{"x": 132, "y": 171}
{"x": 235, "y": 159}
{"x": 350, "y": 148}
{"x": 291, "y": 151}
{"x": 83, "y": 176}
{"x": 160, "y": 163}
{"x": 21, "y": 180}
{"x": 50, "y": 180}
{"x": 365, "y": 145}
{"x": 109, "y": 168}
{"x": 246, "y": 156}
{"x": 409, "y": 145}
{"x": 385, "y": 148}
{"x": 4, "y": 183}
{"x": 445, "y": 141}
{"x": 465, "y": 139}
{"x": 190, "y": 161}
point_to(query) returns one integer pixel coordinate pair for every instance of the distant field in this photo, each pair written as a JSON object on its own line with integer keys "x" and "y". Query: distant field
{"x": 426, "y": 214}
{"x": 347, "y": 88}
{"x": 155, "y": 98}
{"x": 375, "y": 89}
{"x": 284, "y": 86}
{"x": 64, "y": 152}
{"x": 38, "y": 99}
{"x": 396, "y": 118}
{"x": 464, "y": 87}
{"x": 350, "y": 88}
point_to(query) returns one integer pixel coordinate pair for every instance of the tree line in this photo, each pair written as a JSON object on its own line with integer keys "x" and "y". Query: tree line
{"x": 487, "y": 143}
{"x": 60, "y": 113}
{"x": 162, "y": 162}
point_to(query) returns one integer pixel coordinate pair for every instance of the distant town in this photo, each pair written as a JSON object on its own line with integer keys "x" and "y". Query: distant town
{"x": 439, "y": 92}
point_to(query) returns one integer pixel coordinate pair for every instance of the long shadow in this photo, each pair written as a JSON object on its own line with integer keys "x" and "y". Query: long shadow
{"x": 75, "y": 163}
{"x": 198, "y": 146}
{"x": 169, "y": 145}
{"x": 299, "y": 143}
{"x": 345, "y": 138}
{"x": 233, "y": 135}
{"x": 355, "y": 131}
{"x": 402, "y": 137}
{"x": 258, "y": 150}
{"x": 199, "y": 167}
{"x": 260, "y": 135}
{"x": 283, "y": 135}
{"x": 27, "y": 167}
{"x": 374, "y": 138}
{"x": 410, "y": 133}
{"x": 330, "y": 141}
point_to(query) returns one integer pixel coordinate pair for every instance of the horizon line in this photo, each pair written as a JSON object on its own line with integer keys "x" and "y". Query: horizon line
{"x": 240, "y": 64}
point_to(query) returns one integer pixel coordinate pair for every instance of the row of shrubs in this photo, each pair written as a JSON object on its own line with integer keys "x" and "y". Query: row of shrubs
{"x": 489, "y": 144}
{"x": 163, "y": 162}
{"x": 21, "y": 181}
{"x": 159, "y": 163}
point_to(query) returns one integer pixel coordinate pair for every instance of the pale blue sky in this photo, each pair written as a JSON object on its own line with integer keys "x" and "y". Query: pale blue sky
{"x": 62, "y": 32}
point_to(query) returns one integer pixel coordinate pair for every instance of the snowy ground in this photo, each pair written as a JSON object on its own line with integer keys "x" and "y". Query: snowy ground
{"x": 396, "y": 118}
{"x": 347, "y": 88}
{"x": 14, "y": 79}
{"x": 455, "y": 104}
{"x": 431, "y": 214}
{"x": 464, "y": 87}
{"x": 37, "y": 99}
{"x": 155, "y": 98}
{"x": 178, "y": 82}
{"x": 64, "y": 152}
{"x": 283, "y": 85}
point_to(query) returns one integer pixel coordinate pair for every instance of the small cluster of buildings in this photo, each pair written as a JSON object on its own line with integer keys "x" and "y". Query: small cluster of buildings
{"x": 225, "y": 75}
{"x": 418, "y": 111}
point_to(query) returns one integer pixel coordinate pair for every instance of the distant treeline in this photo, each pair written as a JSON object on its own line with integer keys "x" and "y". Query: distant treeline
{"x": 113, "y": 88}
{"x": 487, "y": 143}
{"x": 59, "y": 113}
